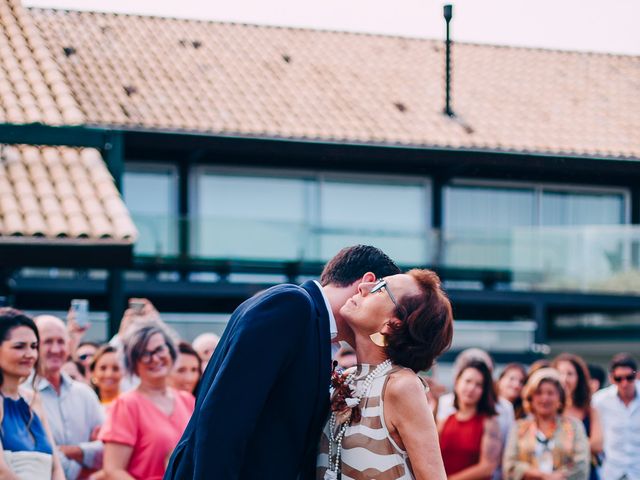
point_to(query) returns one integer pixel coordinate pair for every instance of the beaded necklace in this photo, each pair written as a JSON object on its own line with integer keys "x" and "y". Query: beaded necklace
{"x": 334, "y": 466}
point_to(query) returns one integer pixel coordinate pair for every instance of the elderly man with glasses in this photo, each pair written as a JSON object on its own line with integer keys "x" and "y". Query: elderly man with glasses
{"x": 619, "y": 409}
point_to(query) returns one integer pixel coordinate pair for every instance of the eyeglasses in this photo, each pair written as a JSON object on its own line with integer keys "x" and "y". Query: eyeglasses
{"x": 147, "y": 355}
{"x": 629, "y": 378}
{"x": 382, "y": 283}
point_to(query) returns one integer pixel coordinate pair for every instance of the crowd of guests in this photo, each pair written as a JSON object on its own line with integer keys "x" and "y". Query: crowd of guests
{"x": 112, "y": 411}
{"x": 118, "y": 410}
{"x": 550, "y": 421}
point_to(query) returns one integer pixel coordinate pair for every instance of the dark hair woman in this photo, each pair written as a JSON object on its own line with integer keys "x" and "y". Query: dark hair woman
{"x": 470, "y": 438}
{"x": 509, "y": 386}
{"x": 381, "y": 421}
{"x": 106, "y": 374}
{"x": 574, "y": 375}
{"x": 26, "y": 449}
{"x": 187, "y": 370}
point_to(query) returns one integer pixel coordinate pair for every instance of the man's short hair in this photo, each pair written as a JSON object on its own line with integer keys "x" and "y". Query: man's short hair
{"x": 596, "y": 372}
{"x": 351, "y": 263}
{"x": 623, "y": 360}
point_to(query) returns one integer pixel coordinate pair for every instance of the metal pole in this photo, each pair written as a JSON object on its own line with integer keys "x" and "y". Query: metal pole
{"x": 448, "y": 14}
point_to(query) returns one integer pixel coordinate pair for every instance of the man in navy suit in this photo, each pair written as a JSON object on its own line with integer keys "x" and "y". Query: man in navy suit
{"x": 264, "y": 396}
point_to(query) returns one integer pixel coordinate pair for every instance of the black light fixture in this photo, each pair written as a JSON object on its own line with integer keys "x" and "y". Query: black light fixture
{"x": 448, "y": 15}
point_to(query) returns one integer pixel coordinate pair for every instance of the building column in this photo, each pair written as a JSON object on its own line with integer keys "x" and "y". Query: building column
{"x": 539, "y": 315}
{"x": 115, "y": 300}
{"x": 436, "y": 257}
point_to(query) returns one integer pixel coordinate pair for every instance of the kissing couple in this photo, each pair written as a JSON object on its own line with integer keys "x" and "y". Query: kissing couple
{"x": 263, "y": 409}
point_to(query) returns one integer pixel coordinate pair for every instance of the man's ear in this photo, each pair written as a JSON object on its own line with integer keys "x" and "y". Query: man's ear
{"x": 368, "y": 277}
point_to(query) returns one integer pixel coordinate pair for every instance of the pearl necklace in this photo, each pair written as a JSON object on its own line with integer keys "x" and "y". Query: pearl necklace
{"x": 334, "y": 466}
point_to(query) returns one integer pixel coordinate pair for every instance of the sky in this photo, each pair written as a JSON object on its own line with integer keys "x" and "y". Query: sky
{"x": 586, "y": 25}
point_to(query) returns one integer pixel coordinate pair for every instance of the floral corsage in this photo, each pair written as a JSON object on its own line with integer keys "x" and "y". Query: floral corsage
{"x": 343, "y": 401}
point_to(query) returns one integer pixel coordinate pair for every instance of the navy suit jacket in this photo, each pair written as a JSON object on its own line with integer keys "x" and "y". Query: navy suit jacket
{"x": 264, "y": 396}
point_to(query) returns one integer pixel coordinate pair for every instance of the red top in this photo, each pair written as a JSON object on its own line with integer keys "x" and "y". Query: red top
{"x": 134, "y": 420}
{"x": 460, "y": 442}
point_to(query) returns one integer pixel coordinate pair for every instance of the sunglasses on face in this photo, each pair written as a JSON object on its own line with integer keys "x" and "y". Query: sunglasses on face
{"x": 629, "y": 378}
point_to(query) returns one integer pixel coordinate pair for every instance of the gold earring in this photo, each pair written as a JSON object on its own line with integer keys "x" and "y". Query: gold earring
{"x": 379, "y": 339}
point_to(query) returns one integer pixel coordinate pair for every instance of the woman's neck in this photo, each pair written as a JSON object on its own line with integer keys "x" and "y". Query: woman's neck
{"x": 368, "y": 352}
{"x": 10, "y": 385}
{"x": 158, "y": 387}
{"x": 466, "y": 411}
{"x": 107, "y": 396}
{"x": 546, "y": 423}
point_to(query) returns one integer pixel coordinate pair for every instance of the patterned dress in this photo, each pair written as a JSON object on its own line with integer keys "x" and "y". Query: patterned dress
{"x": 368, "y": 451}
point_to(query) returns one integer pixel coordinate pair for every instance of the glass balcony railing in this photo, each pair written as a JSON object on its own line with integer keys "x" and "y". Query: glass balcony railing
{"x": 587, "y": 259}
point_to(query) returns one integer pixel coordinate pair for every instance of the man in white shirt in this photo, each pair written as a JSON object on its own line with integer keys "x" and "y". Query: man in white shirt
{"x": 619, "y": 409}
{"x": 73, "y": 409}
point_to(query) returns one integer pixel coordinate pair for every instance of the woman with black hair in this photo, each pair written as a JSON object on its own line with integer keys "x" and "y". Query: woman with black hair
{"x": 509, "y": 386}
{"x": 470, "y": 438}
{"x": 26, "y": 443}
{"x": 575, "y": 378}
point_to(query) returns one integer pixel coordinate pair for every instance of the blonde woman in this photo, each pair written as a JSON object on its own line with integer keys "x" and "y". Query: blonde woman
{"x": 547, "y": 445}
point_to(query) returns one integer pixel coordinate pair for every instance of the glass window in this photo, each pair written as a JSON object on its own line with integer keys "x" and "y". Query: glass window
{"x": 392, "y": 216}
{"x": 150, "y": 193}
{"x": 478, "y": 223}
{"x": 575, "y": 208}
{"x": 247, "y": 217}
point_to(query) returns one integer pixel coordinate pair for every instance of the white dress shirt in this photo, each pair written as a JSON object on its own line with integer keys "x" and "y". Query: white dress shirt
{"x": 621, "y": 433}
{"x": 333, "y": 327}
{"x": 72, "y": 416}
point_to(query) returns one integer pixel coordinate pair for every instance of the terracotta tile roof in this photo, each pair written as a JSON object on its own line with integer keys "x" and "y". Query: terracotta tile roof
{"x": 60, "y": 193}
{"x": 220, "y": 78}
{"x": 32, "y": 87}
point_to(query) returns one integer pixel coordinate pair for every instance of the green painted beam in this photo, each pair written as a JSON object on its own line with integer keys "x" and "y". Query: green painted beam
{"x": 39, "y": 134}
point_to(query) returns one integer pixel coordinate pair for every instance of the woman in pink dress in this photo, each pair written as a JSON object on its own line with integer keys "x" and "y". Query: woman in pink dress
{"x": 145, "y": 424}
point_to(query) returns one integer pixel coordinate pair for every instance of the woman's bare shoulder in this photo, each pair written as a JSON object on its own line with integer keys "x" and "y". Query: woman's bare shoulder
{"x": 403, "y": 383}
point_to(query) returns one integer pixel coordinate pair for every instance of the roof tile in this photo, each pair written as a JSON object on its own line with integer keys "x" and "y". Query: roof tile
{"x": 160, "y": 73}
{"x": 48, "y": 191}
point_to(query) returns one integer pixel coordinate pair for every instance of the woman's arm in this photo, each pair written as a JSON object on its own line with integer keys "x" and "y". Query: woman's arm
{"x": 5, "y": 471}
{"x": 595, "y": 440}
{"x": 490, "y": 448}
{"x": 581, "y": 454}
{"x": 407, "y": 412}
{"x": 36, "y": 405}
{"x": 116, "y": 461}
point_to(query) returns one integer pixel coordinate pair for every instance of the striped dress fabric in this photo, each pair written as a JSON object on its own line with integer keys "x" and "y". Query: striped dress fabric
{"x": 368, "y": 451}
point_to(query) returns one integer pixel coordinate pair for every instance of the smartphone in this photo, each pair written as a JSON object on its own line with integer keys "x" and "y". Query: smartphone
{"x": 80, "y": 306}
{"x": 137, "y": 306}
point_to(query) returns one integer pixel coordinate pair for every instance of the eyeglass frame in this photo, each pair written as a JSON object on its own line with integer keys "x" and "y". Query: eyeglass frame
{"x": 380, "y": 284}
{"x": 147, "y": 355}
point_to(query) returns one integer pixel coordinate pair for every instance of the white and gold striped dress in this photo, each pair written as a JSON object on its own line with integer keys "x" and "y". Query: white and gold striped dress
{"x": 368, "y": 451}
